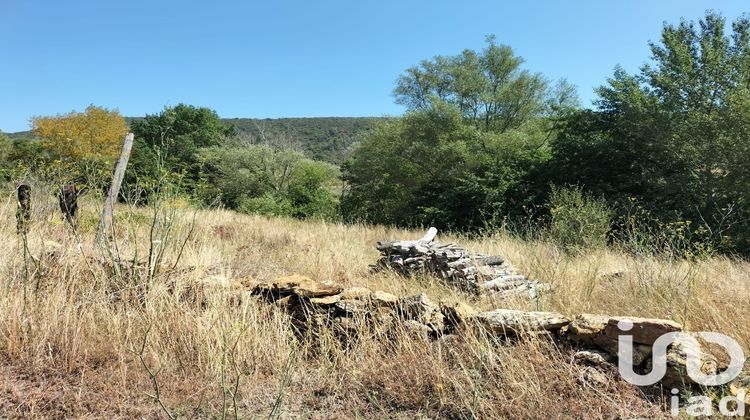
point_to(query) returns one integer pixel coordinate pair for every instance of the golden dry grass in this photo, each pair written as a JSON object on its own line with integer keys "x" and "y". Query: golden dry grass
{"x": 69, "y": 344}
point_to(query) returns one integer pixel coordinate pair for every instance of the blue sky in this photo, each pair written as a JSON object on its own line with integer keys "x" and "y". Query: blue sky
{"x": 297, "y": 58}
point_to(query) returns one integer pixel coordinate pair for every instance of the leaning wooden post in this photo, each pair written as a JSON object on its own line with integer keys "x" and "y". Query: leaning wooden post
{"x": 105, "y": 224}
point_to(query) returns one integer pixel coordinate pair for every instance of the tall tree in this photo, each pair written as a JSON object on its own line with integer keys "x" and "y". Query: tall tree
{"x": 181, "y": 130}
{"x": 167, "y": 144}
{"x": 96, "y": 133}
{"x": 489, "y": 87}
{"x": 434, "y": 167}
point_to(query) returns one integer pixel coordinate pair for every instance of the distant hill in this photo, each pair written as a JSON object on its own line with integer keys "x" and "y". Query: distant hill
{"x": 20, "y": 135}
{"x": 328, "y": 139}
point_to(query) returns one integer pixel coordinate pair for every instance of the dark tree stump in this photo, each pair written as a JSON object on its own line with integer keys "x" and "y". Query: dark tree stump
{"x": 23, "y": 214}
{"x": 68, "y": 199}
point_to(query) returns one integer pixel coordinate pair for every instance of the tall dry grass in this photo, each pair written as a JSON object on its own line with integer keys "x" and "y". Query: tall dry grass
{"x": 95, "y": 337}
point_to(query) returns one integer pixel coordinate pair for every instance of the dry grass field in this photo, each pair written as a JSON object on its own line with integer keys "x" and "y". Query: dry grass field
{"x": 82, "y": 336}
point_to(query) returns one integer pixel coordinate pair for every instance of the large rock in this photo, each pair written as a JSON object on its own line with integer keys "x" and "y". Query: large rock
{"x": 677, "y": 355}
{"x": 350, "y": 307}
{"x": 592, "y": 357}
{"x": 592, "y": 377}
{"x": 326, "y": 300}
{"x": 299, "y": 285}
{"x": 512, "y": 321}
{"x": 641, "y": 352}
{"x": 586, "y": 327}
{"x": 317, "y": 289}
{"x": 456, "y": 312}
{"x": 382, "y": 298}
{"x": 644, "y": 330}
{"x": 505, "y": 282}
{"x": 421, "y": 309}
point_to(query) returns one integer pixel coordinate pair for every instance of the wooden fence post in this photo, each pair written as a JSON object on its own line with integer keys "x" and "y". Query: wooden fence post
{"x": 23, "y": 214}
{"x": 105, "y": 224}
{"x": 68, "y": 199}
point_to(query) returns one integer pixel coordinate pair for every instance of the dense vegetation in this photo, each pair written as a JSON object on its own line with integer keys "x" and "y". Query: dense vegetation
{"x": 477, "y": 128}
{"x": 185, "y": 150}
{"x": 484, "y": 140}
{"x": 329, "y": 139}
{"x": 483, "y": 143}
{"x": 673, "y": 137}
{"x": 191, "y": 147}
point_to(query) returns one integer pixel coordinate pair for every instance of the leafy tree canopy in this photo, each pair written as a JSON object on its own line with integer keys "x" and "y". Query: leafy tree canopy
{"x": 182, "y": 129}
{"x": 97, "y": 133}
{"x": 167, "y": 144}
{"x": 259, "y": 179}
{"x": 489, "y": 87}
{"x": 468, "y": 148}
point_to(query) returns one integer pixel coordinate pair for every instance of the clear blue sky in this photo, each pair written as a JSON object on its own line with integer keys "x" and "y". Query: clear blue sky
{"x": 297, "y": 58}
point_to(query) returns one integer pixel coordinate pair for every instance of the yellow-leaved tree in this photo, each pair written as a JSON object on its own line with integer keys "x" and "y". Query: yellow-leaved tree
{"x": 96, "y": 133}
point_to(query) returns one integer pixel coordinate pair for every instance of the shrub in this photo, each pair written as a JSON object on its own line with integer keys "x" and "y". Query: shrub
{"x": 259, "y": 179}
{"x": 578, "y": 221}
{"x": 267, "y": 205}
{"x": 640, "y": 232}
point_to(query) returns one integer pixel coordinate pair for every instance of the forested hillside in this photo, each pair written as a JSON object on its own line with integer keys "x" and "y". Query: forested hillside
{"x": 20, "y": 135}
{"x": 329, "y": 139}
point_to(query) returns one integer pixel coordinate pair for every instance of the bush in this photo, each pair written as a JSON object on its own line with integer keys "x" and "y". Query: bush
{"x": 640, "y": 232}
{"x": 578, "y": 221}
{"x": 309, "y": 190}
{"x": 267, "y": 205}
{"x": 259, "y": 179}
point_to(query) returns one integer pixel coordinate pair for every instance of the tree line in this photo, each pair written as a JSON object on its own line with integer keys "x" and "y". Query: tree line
{"x": 665, "y": 150}
{"x": 483, "y": 143}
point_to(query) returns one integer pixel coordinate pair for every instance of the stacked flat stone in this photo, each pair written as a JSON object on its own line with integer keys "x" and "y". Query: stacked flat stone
{"x": 319, "y": 307}
{"x": 469, "y": 271}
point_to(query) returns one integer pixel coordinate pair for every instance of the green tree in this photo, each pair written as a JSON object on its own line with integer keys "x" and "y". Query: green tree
{"x": 467, "y": 150}
{"x": 6, "y": 165}
{"x": 310, "y": 190}
{"x": 401, "y": 170}
{"x": 489, "y": 88}
{"x": 167, "y": 145}
{"x": 259, "y": 179}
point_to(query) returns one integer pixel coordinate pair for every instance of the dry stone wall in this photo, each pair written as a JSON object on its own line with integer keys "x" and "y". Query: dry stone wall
{"x": 349, "y": 312}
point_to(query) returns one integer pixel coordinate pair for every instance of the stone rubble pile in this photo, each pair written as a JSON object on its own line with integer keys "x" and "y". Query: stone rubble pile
{"x": 469, "y": 271}
{"x": 316, "y": 306}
